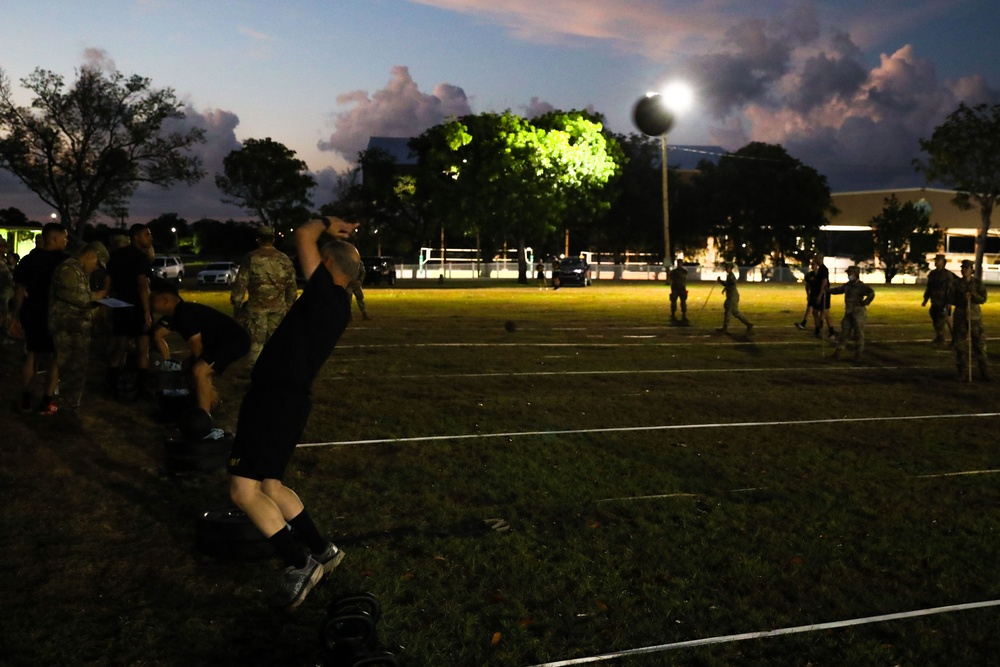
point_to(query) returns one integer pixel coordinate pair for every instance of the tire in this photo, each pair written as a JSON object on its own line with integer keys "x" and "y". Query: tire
{"x": 365, "y": 603}
{"x": 228, "y": 533}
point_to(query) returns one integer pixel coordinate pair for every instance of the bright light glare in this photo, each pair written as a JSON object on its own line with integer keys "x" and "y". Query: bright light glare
{"x": 678, "y": 97}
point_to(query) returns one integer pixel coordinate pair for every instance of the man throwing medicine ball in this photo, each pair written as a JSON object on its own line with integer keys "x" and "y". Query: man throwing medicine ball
{"x": 275, "y": 410}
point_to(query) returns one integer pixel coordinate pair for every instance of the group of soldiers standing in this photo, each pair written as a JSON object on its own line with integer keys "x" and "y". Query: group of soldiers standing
{"x": 955, "y": 306}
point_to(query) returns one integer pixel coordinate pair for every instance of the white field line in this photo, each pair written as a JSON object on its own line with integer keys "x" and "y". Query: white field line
{"x": 637, "y": 429}
{"x": 959, "y": 474}
{"x": 653, "y": 371}
{"x": 763, "y": 634}
{"x": 723, "y": 341}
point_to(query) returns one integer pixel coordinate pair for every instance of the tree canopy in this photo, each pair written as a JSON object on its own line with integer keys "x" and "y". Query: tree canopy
{"x": 93, "y": 143}
{"x": 964, "y": 153}
{"x": 265, "y": 178}
{"x": 760, "y": 202}
{"x": 500, "y": 177}
{"x": 903, "y": 235}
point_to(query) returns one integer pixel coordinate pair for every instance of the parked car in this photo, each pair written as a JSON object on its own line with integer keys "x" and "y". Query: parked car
{"x": 574, "y": 271}
{"x": 168, "y": 267}
{"x": 379, "y": 270}
{"x": 218, "y": 273}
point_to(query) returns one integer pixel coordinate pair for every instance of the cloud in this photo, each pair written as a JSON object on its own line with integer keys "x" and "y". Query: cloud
{"x": 536, "y": 107}
{"x": 398, "y": 110}
{"x": 255, "y": 34}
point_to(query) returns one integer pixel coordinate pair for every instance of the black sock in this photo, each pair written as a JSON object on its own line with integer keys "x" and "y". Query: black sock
{"x": 307, "y": 531}
{"x": 288, "y": 549}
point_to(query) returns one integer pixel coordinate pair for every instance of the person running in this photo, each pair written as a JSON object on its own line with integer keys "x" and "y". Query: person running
{"x": 276, "y": 408}
{"x": 821, "y": 299}
{"x": 808, "y": 279}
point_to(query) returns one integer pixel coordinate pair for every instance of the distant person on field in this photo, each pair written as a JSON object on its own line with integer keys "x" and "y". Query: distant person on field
{"x": 732, "y": 305}
{"x": 71, "y": 308}
{"x": 939, "y": 281}
{"x": 6, "y": 286}
{"x": 276, "y": 409}
{"x": 540, "y": 273}
{"x": 808, "y": 280}
{"x": 966, "y": 295}
{"x": 30, "y": 315}
{"x": 266, "y": 280}
{"x": 821, "y": 299}
{"x": 214, "y": 339}
{"x": 555, "y": 273}
{"x": 356, "y": 289}
{"x": 857, "y": 297}
{"x": 678, "y": 276}
{"x": 130, "y": 268}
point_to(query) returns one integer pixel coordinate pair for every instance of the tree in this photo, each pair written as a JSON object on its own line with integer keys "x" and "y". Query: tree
{"x": 964, "y": 153}
{"x": 760, "y": 202}
{"x": 903, "y": 235}
{"x": 94, "y": 142}
{"x": 498, "y": 177}
{"x": 265, "y": 178}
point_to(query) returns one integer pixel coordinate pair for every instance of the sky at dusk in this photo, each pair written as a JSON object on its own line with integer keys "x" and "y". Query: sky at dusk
{"x": 847, "y": 86}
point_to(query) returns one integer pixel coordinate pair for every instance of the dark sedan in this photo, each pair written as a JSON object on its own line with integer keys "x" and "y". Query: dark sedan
{"x": 379, "y": 270}
{"x": 574, "y": 271}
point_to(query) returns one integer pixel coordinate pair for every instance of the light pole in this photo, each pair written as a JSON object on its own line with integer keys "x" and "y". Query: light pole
{"x": 654, "y": 115}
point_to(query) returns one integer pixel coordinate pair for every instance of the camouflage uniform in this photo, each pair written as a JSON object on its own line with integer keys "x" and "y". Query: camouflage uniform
{"x": 355, "y": 288}
{"x": 678, "y": 290}
{"x": 857, "y": 296}
{"x": 71, "y": 307}
{"x": 965, "y": 295}
{"x": 732, "y": 305}
{"x": 938, "y": 282}
{"x": 267, "y": 279}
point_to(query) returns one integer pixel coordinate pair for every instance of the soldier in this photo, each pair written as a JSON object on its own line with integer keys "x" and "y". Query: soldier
{"x": 30, "y": 316}
{"x": 355, "y": 288}
{"x": 678, "y": 291}
{"x": 6, "y": 286}
{"x": 732, "y": 305}
{"x": 938, "y": 282}
{"x": 267, "y": 280}
{"x": 857, "y": 296}
{"x": 965, "y": 296}
{"x": 71, "y": 305}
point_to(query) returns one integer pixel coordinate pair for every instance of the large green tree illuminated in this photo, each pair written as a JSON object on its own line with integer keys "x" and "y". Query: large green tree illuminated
{"x": 903, "y": 236}
{"x": 93, "y": 143}
{"x": 500, "y": 177}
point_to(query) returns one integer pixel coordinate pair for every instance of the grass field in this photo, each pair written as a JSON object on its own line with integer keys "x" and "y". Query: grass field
{"x": 663, "y": 485}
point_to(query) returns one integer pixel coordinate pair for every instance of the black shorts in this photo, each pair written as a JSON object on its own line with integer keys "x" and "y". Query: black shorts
{"x": 37, "y": 337}
{"x": 271, "y": 421}
{"x": 820, "y": 301}
{"x": 129, "y": 322}
{"x": 225, "y": 353}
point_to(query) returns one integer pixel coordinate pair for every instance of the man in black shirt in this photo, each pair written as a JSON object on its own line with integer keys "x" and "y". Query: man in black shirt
{"x": 214, "y": 339}
{"x": 275, "y": 410}
{"x": 129, "y": 269}
{"x": 30, "y": 315}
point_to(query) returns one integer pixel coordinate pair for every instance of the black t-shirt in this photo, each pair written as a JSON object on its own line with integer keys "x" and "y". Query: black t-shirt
{"x": 125, "y": 266}
{"x": 304, "y": 340}
{"x": 35, "y": 273}
{"x": 190, "y": 319}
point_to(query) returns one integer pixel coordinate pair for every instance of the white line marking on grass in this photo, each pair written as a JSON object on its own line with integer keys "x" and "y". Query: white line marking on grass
{"x": 763, "y": 634}
{"x": 652, "y": 371}
{"x": 959, "y": 474}
{"x": 635, "y": 429}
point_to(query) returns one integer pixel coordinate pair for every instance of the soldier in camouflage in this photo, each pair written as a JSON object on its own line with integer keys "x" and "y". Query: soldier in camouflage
{"x": 266, "y": 280}
{"x": 355, "y": 288}
{"x": 938, "y": 282}
{"x": 857, "y": 297}
{"x": 71, "y": 306}
{"x": 732, "y": 304}
{"x": 965, "y": 295}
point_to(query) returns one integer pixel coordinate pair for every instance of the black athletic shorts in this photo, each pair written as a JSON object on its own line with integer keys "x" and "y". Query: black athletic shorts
{"x": 226, "y": 352}
{"x": 820, "y": 301}
{"x": 272, "y": 419}
{"x": 37, "y": 337}
{"x": 130, "y": 322}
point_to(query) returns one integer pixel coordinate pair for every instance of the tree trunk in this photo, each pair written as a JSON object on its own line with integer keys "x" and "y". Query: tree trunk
{"x": 985, "y": 213}
{"x": 522, "y": 262}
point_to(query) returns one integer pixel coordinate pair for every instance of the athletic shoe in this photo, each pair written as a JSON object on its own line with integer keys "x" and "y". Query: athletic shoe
{"x": 295, "y": 584}
{"x": 330, "y": 558}
{"x": 49, "y": 408}
{"x": 800, "y": 326}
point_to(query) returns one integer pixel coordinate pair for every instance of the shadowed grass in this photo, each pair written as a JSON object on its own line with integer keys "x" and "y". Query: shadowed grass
{"x": 722, "y": 524}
